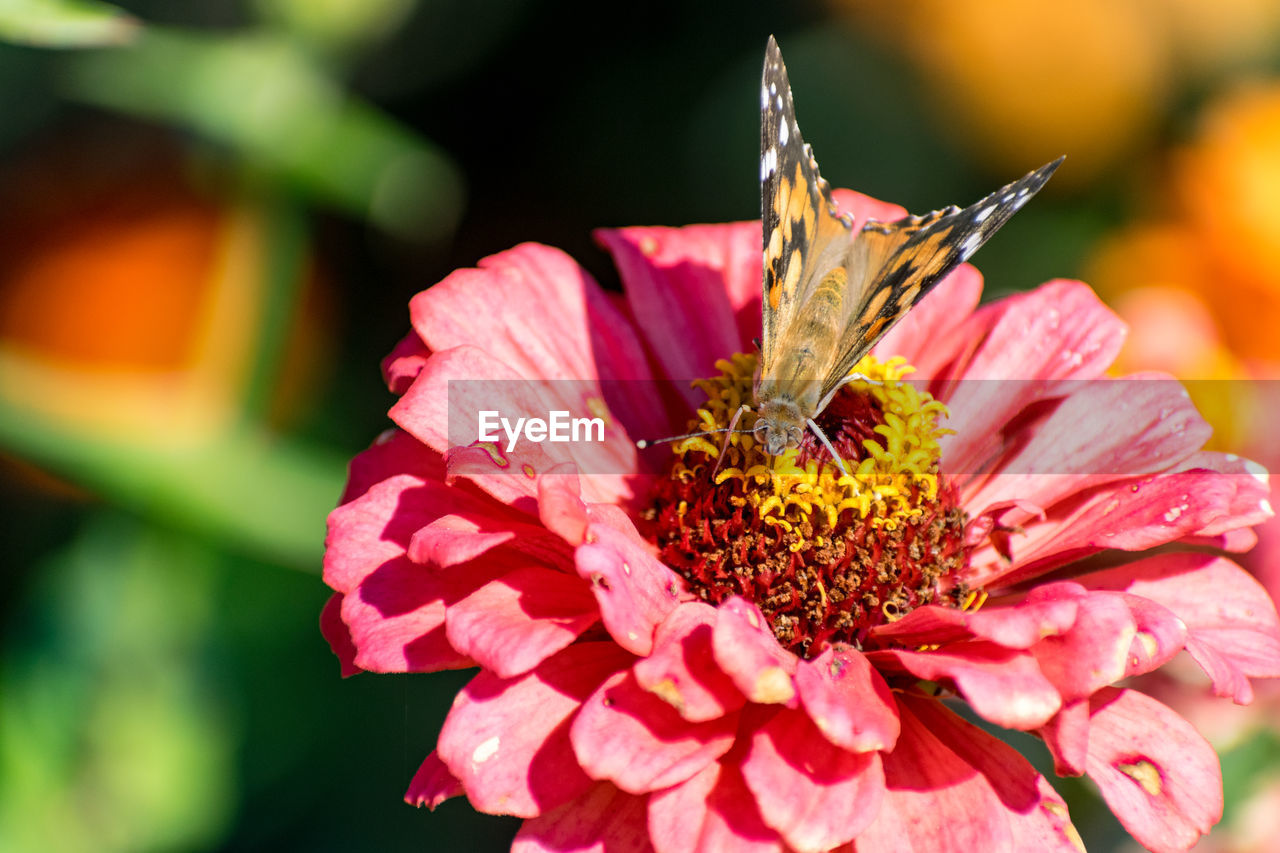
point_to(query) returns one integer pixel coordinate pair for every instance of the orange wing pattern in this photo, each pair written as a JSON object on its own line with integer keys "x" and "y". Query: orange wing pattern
{"x": 803, "y": 231}
{"x": 893, "y": 265}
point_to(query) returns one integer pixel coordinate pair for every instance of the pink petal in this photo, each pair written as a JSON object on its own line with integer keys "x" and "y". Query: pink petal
{"x": 467, "y": 525}
{"x": 1235, "y": 541}
{"x": 392, "y": 453}
{"x": 747, "y": 651}
{"x": 432, "y": 784}
{"x": 336, "y": 633}
{"x": 1158, "y": 775}
{"x": 694, "y": 292}
{"x": 848, "y": 701}
{"x": 864, "y": 207}
{"x": 1228, "y": 678}
{"x": 1094, "y": 652}
{"x": 1130, "y": 515}
{"x": 712, "y": 811}
{"x": 1037, "y": 816}
{"x": 1057, "y": 332}
{"x": 1233, "y": 631}
{"x": 469, "y": 532}
{"x": 1015, "y": 626}
{"x": 1249, "y": 504}
{"x": 376, "y": 527}
{"x": 935, "y": 801}
{"x": 507, "y": 740}
{"x": 396, "y": 615}
{"x": 678, "y": 814}
{"x": 534, "y": 309}
{"x": 922, "y": 336}
{"x": 603, "y": 820}
{"x": 632, "y": 738}
{"x": 560, "y": 504}
{"x": 412, "y": 641}
{"x": 633, "y": 590}
{"x": 426, "y": 410}
{"x": 1067, "y": 737}
{"x": 405, "y": 362}
{"x": 453, "y": 539}
{"x": 1160, "y": 635}
{"x": 1104, "y": 430}
{"x": 815, "y": 795}
{"x": 512, "y": 624}
{"x": 395, "y": 608}
{"x": 1002, "y": 685}
{"x": 682, "y": 671}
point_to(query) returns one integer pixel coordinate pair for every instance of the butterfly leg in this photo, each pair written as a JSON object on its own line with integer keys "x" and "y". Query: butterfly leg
{"x": 724, "y": 448}
{"x": 822, "y": 436}
{"x": 852, "y": 377}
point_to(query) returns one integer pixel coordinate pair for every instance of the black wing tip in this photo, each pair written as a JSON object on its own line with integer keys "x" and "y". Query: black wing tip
{"x": 1041, "y": 176}
{"x": 1025, "y": 187}
{"x": 773, "y": 59}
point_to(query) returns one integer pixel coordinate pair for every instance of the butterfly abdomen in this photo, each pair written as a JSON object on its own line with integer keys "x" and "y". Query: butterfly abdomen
{"x": 821, "y": 317}
{"x": 802, "y": 362}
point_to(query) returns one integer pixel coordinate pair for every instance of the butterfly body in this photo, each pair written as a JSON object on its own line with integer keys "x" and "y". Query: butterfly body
{"x": 830, "y": 290}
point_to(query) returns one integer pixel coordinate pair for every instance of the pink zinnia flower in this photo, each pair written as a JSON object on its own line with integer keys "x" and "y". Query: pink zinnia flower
{"x": 764, "y": 660}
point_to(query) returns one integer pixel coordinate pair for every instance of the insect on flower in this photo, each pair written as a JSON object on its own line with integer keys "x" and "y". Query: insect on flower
{"x": 830, "y": 292}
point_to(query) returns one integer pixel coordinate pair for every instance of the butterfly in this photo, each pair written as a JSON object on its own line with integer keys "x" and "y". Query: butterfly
{"x": 831, "y": 291}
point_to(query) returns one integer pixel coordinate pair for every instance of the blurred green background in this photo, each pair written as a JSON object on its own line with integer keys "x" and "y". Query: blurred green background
{"x": 213, "y": 215}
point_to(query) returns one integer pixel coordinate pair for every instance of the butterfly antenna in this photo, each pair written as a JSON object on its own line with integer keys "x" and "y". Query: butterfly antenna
{"x": 644, "y": 442}
{"x": 822, "y": 436}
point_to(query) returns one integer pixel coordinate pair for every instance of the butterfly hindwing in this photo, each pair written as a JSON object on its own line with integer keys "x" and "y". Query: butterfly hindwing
{"x": 898, "y": 263}
{"x": 802, "y": 229}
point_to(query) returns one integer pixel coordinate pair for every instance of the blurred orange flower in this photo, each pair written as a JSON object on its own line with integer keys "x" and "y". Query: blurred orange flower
{"x": 1228, "y": 191}
{"x": 1022, "y": 81}
{"x": 131, "y": 302}
{"x": 1218, "y": 238}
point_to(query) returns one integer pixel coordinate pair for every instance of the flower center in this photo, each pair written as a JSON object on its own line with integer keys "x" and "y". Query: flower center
{"x": 826, "y": 555}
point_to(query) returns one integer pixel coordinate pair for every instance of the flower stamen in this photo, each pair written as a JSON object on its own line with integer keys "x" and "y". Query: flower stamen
{"x": 827, "y": 549}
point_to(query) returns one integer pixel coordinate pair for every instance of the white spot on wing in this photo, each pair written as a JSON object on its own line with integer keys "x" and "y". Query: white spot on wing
{"x": 784, "y": 133}
{"x": 970, "y": 244}
{"x": 768, "y": 163}
{"x": 982, "y": 215}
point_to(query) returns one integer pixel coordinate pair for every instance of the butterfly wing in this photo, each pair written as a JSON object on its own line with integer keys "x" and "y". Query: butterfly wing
{"x": 893, "y": 265}
{"x": 804, "y": 234}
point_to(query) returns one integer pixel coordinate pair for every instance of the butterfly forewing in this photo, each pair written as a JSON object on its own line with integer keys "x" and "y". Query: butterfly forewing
{"x": 830, "y": 294}
{"x": 893, "y": 265}
{"x": 802, "y": 229}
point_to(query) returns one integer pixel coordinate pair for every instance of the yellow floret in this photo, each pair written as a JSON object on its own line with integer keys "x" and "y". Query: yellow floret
{"x": 899, "y": 469}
